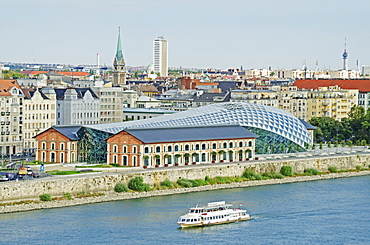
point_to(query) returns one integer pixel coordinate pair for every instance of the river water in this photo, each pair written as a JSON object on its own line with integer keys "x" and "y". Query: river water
{"x": 333, "y": 211}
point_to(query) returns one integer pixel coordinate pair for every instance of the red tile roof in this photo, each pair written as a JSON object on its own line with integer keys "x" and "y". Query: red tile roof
{"x": 74, "y": 73}
{"x": 6, "y": 85}
{"x": 361, "y": 85}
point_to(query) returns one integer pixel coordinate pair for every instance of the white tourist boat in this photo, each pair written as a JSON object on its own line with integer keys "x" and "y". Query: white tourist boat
{"x": 213, "y": 214}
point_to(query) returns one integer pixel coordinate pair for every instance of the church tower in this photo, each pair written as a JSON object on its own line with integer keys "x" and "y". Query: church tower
{"x": 119, "y": 72}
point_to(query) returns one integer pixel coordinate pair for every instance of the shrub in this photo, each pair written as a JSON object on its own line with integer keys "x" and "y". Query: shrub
{"x": 168, "y": 183}
{"x": 207, "y": 179}
{"x": 185, "y": 183}
{"x": 137, "y": 184}
{"x": 248, "y": 174}
{"x": 286, "y": 170}
{"x": 332, "y": 169}
{"x": 201, "y": 182}
{"x": 45, "y": 197}
{"x": 358, "y": 168}
{"x": 273, "y": 175}
{"x": 114, "y": 164}
{"x": 121, "y": 187}
{"x": 67, "y": 195}
{"x": 311, "y": 171}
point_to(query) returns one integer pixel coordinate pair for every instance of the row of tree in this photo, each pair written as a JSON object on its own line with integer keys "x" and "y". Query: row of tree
{"x": 355, "y": 128}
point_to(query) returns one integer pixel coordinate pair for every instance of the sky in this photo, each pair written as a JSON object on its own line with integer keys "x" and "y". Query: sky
{"x": 217, "y": 34}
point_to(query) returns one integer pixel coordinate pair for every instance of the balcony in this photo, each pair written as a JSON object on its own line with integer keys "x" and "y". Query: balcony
{"x": 7, "y": 133}
{"x": 7, "y": 123}
{"x": 7, "y": 113}
{"x": 2, "y": 123}
{"x": 2, "y": 133}
{"x": 3, "y": 113}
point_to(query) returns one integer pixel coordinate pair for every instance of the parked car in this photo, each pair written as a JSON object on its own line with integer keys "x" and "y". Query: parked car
{"x": 3, "y": 177}
{"x": 10, "y": 165}
{"x": 31, "y": 173}
{"x": 11, "y": 176}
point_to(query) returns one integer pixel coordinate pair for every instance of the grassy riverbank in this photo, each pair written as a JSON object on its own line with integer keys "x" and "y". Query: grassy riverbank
{"x": 87, "y": 198}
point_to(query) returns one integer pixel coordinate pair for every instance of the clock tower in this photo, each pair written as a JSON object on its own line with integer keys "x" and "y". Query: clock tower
{"x": 119, "y": 71}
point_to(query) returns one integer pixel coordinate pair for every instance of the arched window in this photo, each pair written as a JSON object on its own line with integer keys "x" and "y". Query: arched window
{"x": 115, "y": 159}
{"x": 73, "y": 146}
{"x": 187, "y": 147}
{"x": 125, "y": 149}
{"x": 204, "y": 146}
{"x": 214, "y": 146}
{"x": 176, "y": 148}
{"x": 197, "y": 147}
{"x": 169, "y": 148}
{"x": 53, "y": 146}
{"x": 62, "y": 146}
{"x": 250, "y": 143}
{"x": 240, "y": 143}
{"x": 124, "y": 160}
{"x": 225, "y": 145}
{"x": 146, "y": 150}
{"x": 134, "y": 161}
{"x": 52, "y": 157}
{"x": 62, "y": 157}
{"x": 134, "y": 149}
{"x": 203, "y": 157}
{"x": 158, "y": 149}
{"x": 43, "y": 156}
{"x": 115, "y": 150}
{"x": 43, "y": 145}
{"x": 231, "y": 145}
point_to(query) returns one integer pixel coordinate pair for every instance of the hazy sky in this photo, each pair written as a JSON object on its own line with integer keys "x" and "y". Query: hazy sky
{"x": 200, "y": 33}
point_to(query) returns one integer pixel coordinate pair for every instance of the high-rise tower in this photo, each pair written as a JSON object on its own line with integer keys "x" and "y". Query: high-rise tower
{"x": 160, "y": 56}
{"x": 119, "y": 72}
{"x": 345, "y": 55}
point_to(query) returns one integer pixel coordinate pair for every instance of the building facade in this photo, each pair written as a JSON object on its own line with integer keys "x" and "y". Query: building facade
{"x": 160, "y": 56}
{"x": 39, "y": 114}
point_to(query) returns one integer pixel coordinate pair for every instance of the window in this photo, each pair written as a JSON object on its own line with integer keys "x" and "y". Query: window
{"x": 225, "y": 145}
{"x": 134, "y": 149}
{"x": 186, "y": 147}
{"x": 203, "y": 146}
{"x": 214, "y": 146}
{"x": 146, "y": 150}
{"x": 169, "y": 149}
{"x": 241, "y": 144}
{"x": 62, "y": 146}
{"x": 250, "y": 143}
{"x": 176, "y": 148}
{"x": 115, "y": 150}
{"x": 124, "y": 149}
{"x": 197, "y": 147}
{"x": 158, "y": 149}
{"x": 43, "y": 145}
{"x": 53, "y": 146}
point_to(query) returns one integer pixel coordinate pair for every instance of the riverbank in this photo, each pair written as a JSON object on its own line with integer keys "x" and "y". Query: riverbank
{"x": 113, "y": 196}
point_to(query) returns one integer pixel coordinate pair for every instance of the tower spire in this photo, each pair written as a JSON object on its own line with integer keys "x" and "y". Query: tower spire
{"x": 345, "y": 55}
{"x": 119, "y": 73}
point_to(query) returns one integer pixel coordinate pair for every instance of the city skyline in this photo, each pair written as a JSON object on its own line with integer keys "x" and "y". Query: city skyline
{"x": 203, "y": 34}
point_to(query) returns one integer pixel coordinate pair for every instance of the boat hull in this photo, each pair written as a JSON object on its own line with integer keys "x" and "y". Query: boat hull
{"x": 203, "y": 224}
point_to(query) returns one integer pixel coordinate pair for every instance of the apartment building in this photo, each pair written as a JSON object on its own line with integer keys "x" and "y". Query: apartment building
{"x": 112, "y": 100}
{"x": 39, "y": 114}
{"x": 11, "y": 117}
{"x": 77, "y": 106}
{"x": 331, "y": 102}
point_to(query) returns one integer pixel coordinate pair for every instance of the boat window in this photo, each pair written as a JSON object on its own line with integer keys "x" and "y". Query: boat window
{"x": 188, "y": 220}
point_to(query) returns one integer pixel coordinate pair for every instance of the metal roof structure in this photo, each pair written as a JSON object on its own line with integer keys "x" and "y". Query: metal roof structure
{"x": 245, "y": 114}
{"x": 191, "y": 133}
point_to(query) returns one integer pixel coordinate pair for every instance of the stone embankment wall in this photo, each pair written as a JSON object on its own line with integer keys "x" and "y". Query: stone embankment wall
{"x": 105, "y": 182}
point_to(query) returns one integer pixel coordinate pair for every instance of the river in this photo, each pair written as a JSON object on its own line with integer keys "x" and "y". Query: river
{"x": 335, "y": 211}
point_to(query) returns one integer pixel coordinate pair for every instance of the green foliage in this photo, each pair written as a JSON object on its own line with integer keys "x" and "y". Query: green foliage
{"x": 207, "y": 179}
{"x": 137, "y": 184}
{"x": 67, "y": 195}
{"x": 311, "y": 171}
{"x": 251, "y": 175}
{"x": 358, "y": 168}
{"x": 185, "y": 183}
{"x": 45, "y": 197}
{"x": 12, "y": 75}
{"x": 168, "y": 184}
{"x": 201, "y": 182}
{"x": 332, "y": 169}
{"x": 272, "y": 175}
{"x": 121, "y": 187}
{"x": 286, "y": 170}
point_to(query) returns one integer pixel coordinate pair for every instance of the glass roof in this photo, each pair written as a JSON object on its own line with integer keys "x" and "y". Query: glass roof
{"x": 230, "y": 113}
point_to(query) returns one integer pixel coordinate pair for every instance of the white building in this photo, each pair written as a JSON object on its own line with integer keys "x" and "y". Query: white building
{"x": 39, "y": 114}
{"x": 77, "y": 106}
{"x": 160, "y": 56}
